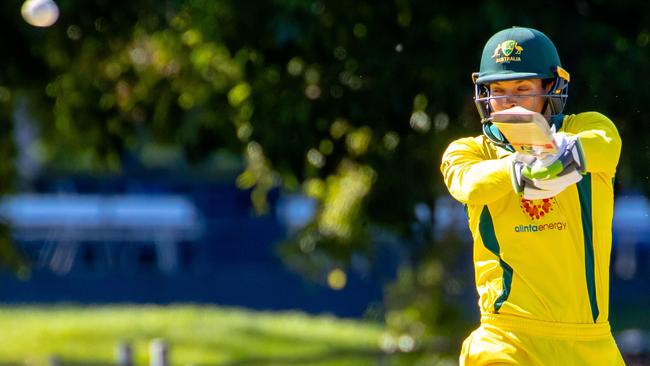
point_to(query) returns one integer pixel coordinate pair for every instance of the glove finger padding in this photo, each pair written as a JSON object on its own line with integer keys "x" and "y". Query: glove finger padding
{"x": 543, "y": 188}
{"x": 533, "y": 193}
{"x": 516, "y": 176}
{"x": 578, "y": 154}
{"x": 560, "y": 182}
{"x": 522, "y": 184}
{"x": 571, "y": 156}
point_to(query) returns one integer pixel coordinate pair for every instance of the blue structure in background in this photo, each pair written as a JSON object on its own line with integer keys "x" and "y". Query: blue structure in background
{"x": 631, "y": 252}
{"x": 140, "y": 241}
{"x": 146, "y": 240}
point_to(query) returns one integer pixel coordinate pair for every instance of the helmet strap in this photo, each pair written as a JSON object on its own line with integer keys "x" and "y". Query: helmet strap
{"x": 493, "y": 134}
{"x": 556, "y": 121}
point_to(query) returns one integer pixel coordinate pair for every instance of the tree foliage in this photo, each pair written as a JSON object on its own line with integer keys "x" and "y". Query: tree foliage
{"x": 350, "y": 104}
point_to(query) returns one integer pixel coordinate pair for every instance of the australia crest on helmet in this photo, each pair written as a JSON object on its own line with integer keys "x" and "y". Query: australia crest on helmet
{"x": 507, "y": 51}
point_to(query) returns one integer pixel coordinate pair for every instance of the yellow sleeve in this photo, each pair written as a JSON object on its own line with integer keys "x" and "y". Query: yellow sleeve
{"x": 471, "y": 176}
{"x": 600, "y": 141}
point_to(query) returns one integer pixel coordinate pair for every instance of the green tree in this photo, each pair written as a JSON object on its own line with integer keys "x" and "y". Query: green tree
{"x": 351, "y": 105}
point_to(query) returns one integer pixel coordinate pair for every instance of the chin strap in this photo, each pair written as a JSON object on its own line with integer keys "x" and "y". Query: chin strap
{"x": 556, "y": 121}
{"x": 493, "y": 134}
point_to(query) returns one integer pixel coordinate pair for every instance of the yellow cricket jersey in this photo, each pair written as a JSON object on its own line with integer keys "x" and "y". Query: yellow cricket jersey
{"x": 542, "y": 259}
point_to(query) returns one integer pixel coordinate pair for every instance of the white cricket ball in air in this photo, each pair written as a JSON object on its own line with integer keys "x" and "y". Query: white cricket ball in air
{"x": 40, "y": 13}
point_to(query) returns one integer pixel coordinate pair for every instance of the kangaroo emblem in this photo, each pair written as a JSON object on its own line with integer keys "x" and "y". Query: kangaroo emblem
{"x": 506, "y": 49}
{"x": 497, "y": 51}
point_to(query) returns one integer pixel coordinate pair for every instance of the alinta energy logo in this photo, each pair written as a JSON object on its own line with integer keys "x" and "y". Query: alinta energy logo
{"x": 535, "y": 210}
{"x": 504, "y": 52}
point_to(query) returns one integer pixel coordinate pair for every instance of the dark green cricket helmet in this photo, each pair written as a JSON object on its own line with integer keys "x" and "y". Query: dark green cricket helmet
{"x": 520, "y": 53}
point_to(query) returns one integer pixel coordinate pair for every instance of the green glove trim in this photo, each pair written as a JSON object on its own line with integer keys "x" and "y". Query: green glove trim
{"x": 548, "y": 172}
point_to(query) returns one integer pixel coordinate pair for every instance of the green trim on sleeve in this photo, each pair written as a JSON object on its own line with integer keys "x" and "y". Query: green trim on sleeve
{"x": 584, "y": 193}
{"x": 486, "y": 229}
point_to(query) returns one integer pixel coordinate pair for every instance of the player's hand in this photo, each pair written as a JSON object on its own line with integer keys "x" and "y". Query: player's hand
{"x": 518, "y": 164}
{"x": 534, "y": 189}
{"x": 540, "y": 188}
{"x": 569, "y": 158}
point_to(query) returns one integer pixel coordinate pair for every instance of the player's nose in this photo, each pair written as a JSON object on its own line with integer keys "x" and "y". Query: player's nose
{"x": 511, "y": 101}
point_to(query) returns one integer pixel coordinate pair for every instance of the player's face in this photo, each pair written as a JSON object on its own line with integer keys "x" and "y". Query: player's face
{"x": 517, "y": 93}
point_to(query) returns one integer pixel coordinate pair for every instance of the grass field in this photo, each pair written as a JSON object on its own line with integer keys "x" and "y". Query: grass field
{"x": 198, "y": 335}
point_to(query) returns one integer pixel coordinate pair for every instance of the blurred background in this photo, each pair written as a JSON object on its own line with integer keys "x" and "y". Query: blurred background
{"x": 257, "y": 182}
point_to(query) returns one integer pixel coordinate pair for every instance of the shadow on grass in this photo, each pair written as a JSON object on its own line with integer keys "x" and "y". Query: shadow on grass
{"x": 316, "y": 358}
{"x": 333, "y": 357}
{"x": 335, "y": 353}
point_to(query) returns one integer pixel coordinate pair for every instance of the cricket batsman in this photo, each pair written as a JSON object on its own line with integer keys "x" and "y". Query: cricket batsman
{"x": 542, "y": 240}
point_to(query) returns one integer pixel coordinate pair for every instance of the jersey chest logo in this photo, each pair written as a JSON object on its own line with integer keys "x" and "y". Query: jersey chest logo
{"x": 537, "y": 209}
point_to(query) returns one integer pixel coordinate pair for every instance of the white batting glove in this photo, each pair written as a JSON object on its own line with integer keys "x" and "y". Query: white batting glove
{"x": 549, "y": 175}
{"x": 549, "y": 166}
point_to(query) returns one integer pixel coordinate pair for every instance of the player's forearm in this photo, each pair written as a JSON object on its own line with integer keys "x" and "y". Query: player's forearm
{"x": 479, "y": 182}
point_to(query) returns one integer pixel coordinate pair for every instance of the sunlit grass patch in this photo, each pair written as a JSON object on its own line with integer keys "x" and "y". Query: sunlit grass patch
{"x": 197, "y": 335}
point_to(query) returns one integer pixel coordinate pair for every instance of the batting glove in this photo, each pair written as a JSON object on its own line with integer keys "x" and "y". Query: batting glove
{"x": 550, "y": 166}
{"x": 549, "y": 175}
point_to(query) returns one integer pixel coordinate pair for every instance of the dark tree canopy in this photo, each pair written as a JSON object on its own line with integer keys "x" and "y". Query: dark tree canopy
{"x": 348, "y": 103}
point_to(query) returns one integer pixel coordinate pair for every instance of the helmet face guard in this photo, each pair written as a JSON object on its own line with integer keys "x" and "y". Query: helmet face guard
{"x": 555, "y": 99}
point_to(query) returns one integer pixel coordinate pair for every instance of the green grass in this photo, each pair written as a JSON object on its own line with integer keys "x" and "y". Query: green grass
{"x": 198, "y": 335}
